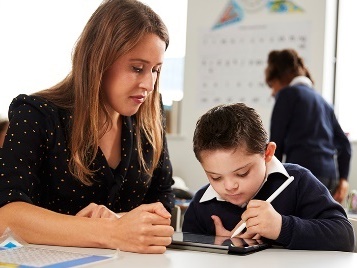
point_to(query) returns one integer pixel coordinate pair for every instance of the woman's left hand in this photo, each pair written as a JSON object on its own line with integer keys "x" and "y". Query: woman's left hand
{"x": 97, "y": 211}
{"x": 341, "y": 191}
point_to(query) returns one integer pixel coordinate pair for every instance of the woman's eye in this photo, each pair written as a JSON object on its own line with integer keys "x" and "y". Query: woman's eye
{"x": 156, "y": 70}
{"x": 137, "y": 69}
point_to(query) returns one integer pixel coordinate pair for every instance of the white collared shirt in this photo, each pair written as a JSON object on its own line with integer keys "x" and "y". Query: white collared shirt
{"x": 272, "y": 166}
{"x": 301, "y": 80}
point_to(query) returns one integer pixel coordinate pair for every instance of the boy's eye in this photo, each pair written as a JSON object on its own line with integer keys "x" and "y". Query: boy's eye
{"x": 243, "y": 175}
{"x": 216, "y": 178}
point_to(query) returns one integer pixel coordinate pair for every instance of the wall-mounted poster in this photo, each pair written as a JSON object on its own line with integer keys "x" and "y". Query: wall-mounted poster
{"x": 232, "y": 61}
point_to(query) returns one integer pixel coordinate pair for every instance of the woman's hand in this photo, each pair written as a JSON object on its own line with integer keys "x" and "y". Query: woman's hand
{"x": 145, "y": 229}
{"x": 96, "y": 211}
{"x": 341, "y": 191}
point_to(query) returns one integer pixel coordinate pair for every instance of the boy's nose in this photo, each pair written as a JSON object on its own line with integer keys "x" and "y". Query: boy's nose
{"x": 231, "y": 185}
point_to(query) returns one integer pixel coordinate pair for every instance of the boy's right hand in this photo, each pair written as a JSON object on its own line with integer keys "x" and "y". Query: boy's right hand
{"x": 261, "y": 218}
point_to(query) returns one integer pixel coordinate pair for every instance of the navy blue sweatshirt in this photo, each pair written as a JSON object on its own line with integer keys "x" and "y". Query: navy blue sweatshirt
{"x": 311, "y": 218}
{"x": 305, "y": 129}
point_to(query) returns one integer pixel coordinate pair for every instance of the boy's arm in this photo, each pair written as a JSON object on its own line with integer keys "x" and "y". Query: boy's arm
{"x": 318, "y": 222}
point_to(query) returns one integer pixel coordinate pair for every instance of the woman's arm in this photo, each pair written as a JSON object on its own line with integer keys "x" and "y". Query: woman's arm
{"x": 344, "y": 153}
{"x": 145, "y": 229}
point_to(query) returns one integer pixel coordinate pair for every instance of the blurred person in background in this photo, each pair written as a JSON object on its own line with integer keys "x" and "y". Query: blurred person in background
{"x": 304, "y": 126}
{"x": 4, "y": 123}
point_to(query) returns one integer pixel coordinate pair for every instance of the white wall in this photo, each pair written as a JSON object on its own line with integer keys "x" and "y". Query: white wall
{"x": 37, "y": 38}
{"x": 203, "y": 14}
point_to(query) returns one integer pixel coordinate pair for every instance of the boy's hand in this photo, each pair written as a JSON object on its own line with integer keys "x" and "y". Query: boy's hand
{"x": 261, "y": 218}
{"x": 220, "y": 230}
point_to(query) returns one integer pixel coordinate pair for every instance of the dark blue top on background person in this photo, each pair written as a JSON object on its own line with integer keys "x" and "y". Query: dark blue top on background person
{"x": 305, "y": 129}
{"x": 304, "y": 126}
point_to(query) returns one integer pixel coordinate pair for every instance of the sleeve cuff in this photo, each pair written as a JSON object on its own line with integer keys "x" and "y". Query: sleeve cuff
{"x": 286, "y": 231}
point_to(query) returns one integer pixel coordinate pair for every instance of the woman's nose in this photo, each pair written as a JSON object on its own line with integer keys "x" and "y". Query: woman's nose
{"x": 148, "y": 81}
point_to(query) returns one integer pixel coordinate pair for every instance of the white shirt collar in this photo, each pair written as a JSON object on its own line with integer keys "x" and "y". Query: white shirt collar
{"x": 301, "y": 80}
{"x": 273, "y": 166}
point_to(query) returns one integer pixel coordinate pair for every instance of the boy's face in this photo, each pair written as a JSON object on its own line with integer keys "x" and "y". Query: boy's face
{"x": 236, "y": 175}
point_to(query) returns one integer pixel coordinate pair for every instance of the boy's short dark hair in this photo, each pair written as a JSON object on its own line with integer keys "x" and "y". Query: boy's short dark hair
{"x": 228, "y": 127}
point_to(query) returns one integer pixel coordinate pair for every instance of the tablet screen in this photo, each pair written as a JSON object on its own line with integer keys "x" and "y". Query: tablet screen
{"x": 217, "y": 244}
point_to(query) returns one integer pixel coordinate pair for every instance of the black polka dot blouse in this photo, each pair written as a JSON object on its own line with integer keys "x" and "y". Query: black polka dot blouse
{"x": 34, "y": 165}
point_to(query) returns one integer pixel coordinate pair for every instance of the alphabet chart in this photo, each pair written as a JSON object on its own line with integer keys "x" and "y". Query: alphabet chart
{"x": 232, "y": 61}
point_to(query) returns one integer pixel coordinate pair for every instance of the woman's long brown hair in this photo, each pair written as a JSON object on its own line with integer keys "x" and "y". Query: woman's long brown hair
{"x": 284, "y": 65}
{"x": 112, "y": 31}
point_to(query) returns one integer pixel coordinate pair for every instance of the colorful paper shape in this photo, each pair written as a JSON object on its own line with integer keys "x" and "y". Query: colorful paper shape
{"x": 233, "y": 13}
{"x": 283, "y": 6}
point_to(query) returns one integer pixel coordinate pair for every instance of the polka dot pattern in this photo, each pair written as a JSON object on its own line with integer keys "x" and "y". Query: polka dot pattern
{"x": 35, "y": 157}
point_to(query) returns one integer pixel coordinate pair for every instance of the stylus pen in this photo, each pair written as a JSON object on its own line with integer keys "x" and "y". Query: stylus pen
{"x": 271, "y": 198}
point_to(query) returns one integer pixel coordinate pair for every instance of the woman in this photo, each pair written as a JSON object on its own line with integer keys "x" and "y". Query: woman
{"x": 4, "y": 123}
{"x": 82, "y": 157}
{"x": 304, "y": 126}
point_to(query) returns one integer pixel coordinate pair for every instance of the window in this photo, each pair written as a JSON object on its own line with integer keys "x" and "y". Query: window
{"x": 346, "y": 84}
{"x": 37, "y": 42}
{"x": 174, "y": 14}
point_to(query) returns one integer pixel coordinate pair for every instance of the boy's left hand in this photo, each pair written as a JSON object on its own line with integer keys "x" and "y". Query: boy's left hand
{"x": 261, "y": 218}
{"x": 221, "y": 231}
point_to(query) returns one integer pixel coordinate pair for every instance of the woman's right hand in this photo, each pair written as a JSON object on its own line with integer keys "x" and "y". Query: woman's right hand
{"x": 97, "y": 211}
{"x": 145, "y": 229}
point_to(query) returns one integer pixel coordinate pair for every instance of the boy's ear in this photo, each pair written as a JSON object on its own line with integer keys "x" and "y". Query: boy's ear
{"x": 270, "y": 151}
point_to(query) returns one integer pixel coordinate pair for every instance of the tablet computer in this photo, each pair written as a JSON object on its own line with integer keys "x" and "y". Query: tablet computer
{"x": 216, "y": 244}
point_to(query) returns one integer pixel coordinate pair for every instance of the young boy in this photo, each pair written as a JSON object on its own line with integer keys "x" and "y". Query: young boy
{"x": 232, "y": 146}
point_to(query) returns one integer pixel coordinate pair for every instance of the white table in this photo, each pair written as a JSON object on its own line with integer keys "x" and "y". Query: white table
{"x": 275, "y": 258}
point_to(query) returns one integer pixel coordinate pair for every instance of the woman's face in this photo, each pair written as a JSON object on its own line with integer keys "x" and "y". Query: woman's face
{"x": 2, "y": 138}
{"x": 131, "y": 78}
{"x": 3, "y": 134}
{"x": 234, "y": 174}
{"x": 275, "y": 86}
